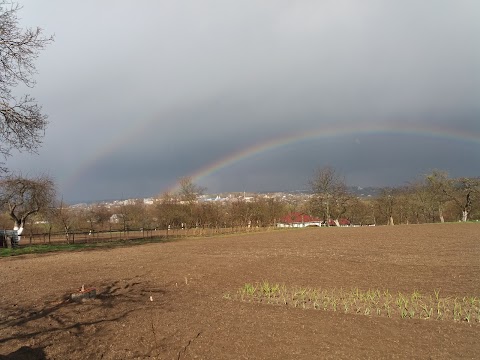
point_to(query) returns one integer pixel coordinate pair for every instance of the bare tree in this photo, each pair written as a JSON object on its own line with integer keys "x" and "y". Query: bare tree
{"x": 360, "y": 211}
{"x": 423, "y": 207}
{"x": 438, "y": 184}
{"x": 268, "y": 210}
{"x": 24, "y": 197}
{"x": 126, "y": 216}
{"x": 165, "y": 210}
{"x": 240, "y": 213}
{"x": 330, "y": 193}
{"x": 386, "y": 203}
{"x": 463, "y": 191}
{"x": 22, "y": 123}
{"x": 66, "y": 218}
{"x": 405, "y": 204}
{"x": 100, "y": 214}
{"x": 139, "y": 215}
{"x": 189, "y": 192}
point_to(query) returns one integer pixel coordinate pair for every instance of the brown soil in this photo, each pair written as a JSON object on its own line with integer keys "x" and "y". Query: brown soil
{"x": 190, "y": 317}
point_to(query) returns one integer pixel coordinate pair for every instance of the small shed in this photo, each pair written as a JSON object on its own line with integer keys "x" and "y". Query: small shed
{"x": 9, "y": 238}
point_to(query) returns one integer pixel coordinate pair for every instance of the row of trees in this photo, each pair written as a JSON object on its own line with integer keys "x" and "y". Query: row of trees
{"x": 434, "y": 198}
{"x": 40, "y": 213}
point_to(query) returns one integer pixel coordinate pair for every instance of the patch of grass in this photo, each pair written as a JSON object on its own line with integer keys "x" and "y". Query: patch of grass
{"x": 48, "y": 248}
{"x": 369, "y": 303}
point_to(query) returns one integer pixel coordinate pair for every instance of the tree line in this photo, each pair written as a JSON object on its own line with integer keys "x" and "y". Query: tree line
{"x": 435, "y": 197}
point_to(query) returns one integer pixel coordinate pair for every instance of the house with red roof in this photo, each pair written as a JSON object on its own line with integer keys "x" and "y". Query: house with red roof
{"x": 298, "y": 220}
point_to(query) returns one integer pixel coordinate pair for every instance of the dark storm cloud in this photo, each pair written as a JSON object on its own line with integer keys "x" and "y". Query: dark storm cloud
{"x": 171, "y": 86}
{"x": 373, "y": 160}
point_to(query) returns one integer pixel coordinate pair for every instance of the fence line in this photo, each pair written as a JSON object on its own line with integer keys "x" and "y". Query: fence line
{"x": 81, "y": 237}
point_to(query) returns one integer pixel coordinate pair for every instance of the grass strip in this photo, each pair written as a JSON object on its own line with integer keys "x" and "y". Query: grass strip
{"x": 49, "y": 248}
{"x": 369, "y": 302}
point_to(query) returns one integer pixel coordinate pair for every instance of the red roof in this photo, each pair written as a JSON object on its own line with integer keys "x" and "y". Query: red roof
{"x": 297, "y": 217}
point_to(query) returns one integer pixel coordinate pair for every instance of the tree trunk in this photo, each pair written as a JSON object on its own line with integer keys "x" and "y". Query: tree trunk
{"x": 464, "y": 215}
{"x": 67, "y": 235}
{"x": 390, "y": 221}
{"x": 440, "y": 214}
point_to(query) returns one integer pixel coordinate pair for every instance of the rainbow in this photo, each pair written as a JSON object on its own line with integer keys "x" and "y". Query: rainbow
{"x": 329, "y": 132}
{"x": 325, "y": 132}
{"x": 108, "y": 148}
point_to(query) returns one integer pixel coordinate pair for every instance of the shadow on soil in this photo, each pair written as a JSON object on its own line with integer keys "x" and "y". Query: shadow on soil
{"x": 114, "y": 301}
{"x": 25, "y": 353}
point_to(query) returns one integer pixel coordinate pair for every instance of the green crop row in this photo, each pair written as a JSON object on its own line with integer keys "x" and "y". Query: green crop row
{"x": 413, "y": 305}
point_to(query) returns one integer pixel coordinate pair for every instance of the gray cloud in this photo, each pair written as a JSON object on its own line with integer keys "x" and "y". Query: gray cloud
{"x": 149, "y": 91}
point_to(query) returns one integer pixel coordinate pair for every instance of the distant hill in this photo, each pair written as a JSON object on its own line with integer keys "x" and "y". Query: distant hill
{"x": 365, "y": 192}
{"x": 355, "y": 190}
{"x": 369, "y": 191}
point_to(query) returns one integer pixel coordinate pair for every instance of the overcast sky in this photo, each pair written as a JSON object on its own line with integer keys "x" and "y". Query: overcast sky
{"x": 140, "y": 93}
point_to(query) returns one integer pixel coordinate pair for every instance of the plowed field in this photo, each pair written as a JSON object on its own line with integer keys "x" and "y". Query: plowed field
{"x": 183, "y": 299}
